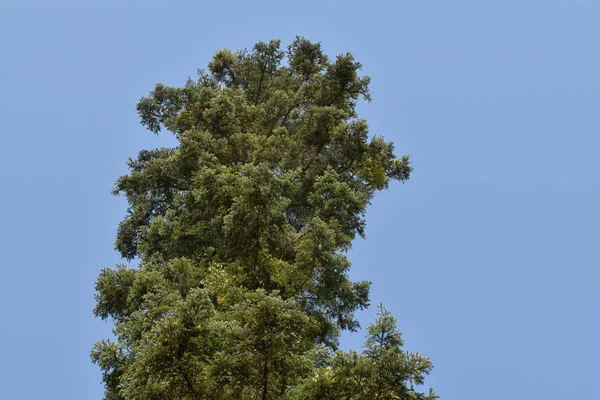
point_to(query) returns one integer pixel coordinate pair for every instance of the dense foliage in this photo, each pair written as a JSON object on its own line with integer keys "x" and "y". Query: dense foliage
{"x": 241, "y": 230}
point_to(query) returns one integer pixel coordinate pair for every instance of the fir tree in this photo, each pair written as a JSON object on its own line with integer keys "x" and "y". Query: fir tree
{"x": 240, "y": 232}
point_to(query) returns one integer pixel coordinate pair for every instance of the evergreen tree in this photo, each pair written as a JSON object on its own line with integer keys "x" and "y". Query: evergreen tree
{"x": 241, "y": 231}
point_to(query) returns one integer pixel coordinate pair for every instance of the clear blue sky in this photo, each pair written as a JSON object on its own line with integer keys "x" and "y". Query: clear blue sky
{"x": 488, "y": 256}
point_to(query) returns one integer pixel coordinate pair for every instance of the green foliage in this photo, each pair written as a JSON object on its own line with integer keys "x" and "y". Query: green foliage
{"x": 382, "y": 371}
{"x": 241, "y": 231}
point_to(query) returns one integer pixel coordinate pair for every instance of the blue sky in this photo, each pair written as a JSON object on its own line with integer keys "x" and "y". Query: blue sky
{"x": 488, "y": 256}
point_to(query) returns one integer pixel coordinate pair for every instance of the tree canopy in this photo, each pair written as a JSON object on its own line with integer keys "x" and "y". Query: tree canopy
{"x": 240, "y": 232}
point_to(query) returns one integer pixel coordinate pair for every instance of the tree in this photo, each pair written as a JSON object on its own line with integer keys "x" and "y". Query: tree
{"x": 240, "y": 233}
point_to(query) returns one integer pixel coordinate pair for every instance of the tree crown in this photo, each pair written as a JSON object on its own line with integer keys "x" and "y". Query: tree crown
{"x": 241, "y": 230}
